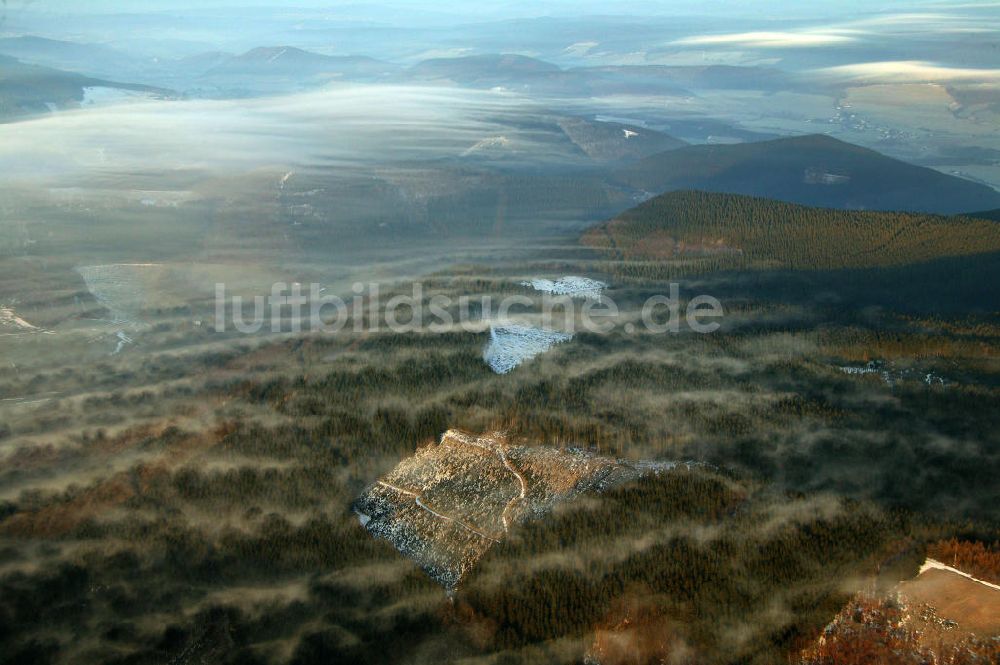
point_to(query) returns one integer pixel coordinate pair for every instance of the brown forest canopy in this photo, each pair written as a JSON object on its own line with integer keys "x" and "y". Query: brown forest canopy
{"x": 752, "y": 232}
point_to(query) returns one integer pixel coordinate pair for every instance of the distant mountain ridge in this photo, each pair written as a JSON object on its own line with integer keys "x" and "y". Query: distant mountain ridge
{"x": 88, "y": 59}
{"x": 476, "y": 67}
{"x": 494, "y": 69}
{"x": 720, "y": 77}
{"x": 284, "y": 67}
{"x": 986, "y": 214}
{"x": 265, "y": 69}
{"x": 287, "y": 60}
{"x": 520, "y": 72}
{"x": 814, "y": 170}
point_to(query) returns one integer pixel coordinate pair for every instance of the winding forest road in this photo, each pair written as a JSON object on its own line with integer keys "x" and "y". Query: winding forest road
{"x": 417, "y": 500}
{"x": 497, "y": 449}
{"x": 524, "y": 487}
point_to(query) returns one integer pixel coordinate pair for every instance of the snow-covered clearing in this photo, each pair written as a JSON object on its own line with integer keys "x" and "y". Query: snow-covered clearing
{"x": 576, "y": 287}
{"x": 10, "y": 319}
{"x": 891, "y": 374}
{"x": 489, "y": 144}
{"x": 118, "y": 287}
{"x": 931, "y": 563}
{"x": 511, "y": 345}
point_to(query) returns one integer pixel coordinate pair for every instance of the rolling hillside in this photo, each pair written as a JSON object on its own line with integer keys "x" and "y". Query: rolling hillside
{"x": 760, "y": 233}
{"x": 29, "y": 89}
{"x": 814, "y": 170}
{"x": 613, "y": 141}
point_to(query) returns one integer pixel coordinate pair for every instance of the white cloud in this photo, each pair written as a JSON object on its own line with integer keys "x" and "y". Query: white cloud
{"x": 923, "y": 22}
{"x": 911, "y": 71}
{"x": 769, "y": 39}
{"x": 908, "y": 19}
{"x": 850, "y": 31}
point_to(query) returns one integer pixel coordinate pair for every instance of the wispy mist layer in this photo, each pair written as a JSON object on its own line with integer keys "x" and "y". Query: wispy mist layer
{"x": 345, "y": 126}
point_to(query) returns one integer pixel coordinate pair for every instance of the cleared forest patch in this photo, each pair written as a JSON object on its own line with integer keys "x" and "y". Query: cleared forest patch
{"x": 450, "y": 502}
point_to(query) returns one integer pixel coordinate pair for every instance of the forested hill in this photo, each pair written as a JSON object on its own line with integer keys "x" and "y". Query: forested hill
{"x": 811, "y": 170}
{"x": 752, "y": 232}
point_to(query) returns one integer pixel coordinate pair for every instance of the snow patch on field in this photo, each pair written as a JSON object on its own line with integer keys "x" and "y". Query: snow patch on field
{"x": 123, "y": 339}
{"x": 815, "y": 176}
{"x": 932, "y": 564}
{"x": 511, "y": 345}
{"x": 889, "y": 373}
{"x": 10, "y": 319}
{"x": 580, "y": 49}
{"x": 119, "y": 288}
{"x": 619, "y": 120}
{"x": 577, "y": 287}
{"x": 489, "y": 144}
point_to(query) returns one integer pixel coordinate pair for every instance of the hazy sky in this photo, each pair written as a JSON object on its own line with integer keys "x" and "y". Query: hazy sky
{"x": 517, "y": 8}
